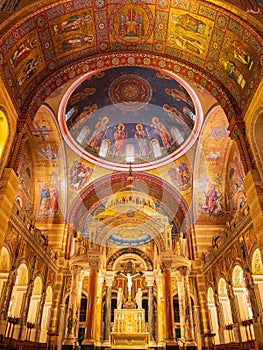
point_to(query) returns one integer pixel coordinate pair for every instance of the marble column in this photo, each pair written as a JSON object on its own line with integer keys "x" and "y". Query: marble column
{"x": 256, "y": 308}
{"x": 235, "y": 313}
{"x": 109, "y": 277}
{"x": 160, "y": 309}
{"x": 181, "y": 301}
{"x": 70, "y": 241}
{"x": 151, "y": 319}
{"x": 25, "y": 309}
{"x": 168, "y": 301}
{"x": 185, "y": 303}
{"x": 6, "y": 299}
{"x": 220, "y": 318}
{"x": 98, "y": 309}
{"x": 71, "y": 338}
{"x": 39, "y": 316}
{"x": 88, "y": 342}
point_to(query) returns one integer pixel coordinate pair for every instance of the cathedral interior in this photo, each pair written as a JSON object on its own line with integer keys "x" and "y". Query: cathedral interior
{"x": 131, "y": 174}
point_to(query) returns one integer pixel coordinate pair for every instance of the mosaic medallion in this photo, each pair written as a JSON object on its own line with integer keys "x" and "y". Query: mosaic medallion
{"x": 130, "y": 91}
{"x": 131, "y": 22}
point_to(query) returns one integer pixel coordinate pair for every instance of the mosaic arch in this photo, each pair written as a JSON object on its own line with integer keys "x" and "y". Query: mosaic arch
{"x": 100, "y": 190}
{"x": 132, "y": 251}
{"x": 131, "y": 114}
{"x": 210, "y": 296}
{"x": 222, "y": 290}
{"x": 5, "y": 262}
{"x": 237, "y": 277}
{"x": 22, "y": 275}
{"x": 257, "y": 266}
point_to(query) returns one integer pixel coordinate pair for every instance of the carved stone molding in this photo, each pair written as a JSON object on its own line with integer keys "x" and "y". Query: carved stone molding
{"x": 109, "y": 277}
{"x": 184, "y": 270}
{"x": 149, "y": 276}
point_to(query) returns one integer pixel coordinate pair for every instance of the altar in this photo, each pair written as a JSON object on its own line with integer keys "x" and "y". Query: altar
{"x": 129, "y": 330}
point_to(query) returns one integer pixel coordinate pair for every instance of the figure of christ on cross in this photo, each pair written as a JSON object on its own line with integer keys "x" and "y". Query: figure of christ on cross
{"x": 129, "y": 280}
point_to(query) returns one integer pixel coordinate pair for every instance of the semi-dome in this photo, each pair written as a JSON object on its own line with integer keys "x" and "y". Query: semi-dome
{"x": 129, "y": 115}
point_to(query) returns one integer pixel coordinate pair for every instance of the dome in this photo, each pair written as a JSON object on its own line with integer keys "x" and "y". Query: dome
{"x": 129, "y": 115}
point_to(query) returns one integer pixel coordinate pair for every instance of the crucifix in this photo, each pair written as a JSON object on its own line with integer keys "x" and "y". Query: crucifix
{"x": 129, "y": 279}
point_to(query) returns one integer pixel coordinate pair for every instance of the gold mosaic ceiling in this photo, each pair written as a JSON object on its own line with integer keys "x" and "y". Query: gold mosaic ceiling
{"x": 217, "y": 45}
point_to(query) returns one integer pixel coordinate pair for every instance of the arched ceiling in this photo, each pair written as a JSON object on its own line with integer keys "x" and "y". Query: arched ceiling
{"x": 168, "y": 202}
{"x": 50, "y": 48}
{"x": 44, "y": 45}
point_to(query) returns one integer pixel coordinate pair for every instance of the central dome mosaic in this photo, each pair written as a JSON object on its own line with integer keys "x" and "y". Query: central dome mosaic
{"x": 130, "y": 115}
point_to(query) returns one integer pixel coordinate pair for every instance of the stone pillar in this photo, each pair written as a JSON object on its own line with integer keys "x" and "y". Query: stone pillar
{"x": 6, "y": 300}
{"x": 160, "y": 310}
{"x": 166, "y": 265}
{"x": 25, "y": 309}
{"x": 8, "y": 190}
{"x": 25, "y": 127}
{"x": 220, "y": 319}
{"x": 107, "y": 310}
{"x": 151, "y": 319}
{"x": 181, "y": 300}
{"x": 235, "y": 313}
{"x": 98, "y": 309}
{"x": 70, "y": 241}
{"x": 237, "y": 130}
{"x": 187, "y": 324}
{"x": 39, "y": 315}
{"x": 256, "y": 309}
{"x": 71, "y": 338}
{"x": 88, "y": 342}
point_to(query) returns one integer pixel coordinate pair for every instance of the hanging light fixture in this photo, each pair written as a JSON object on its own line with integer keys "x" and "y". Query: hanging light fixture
{"x": 130, "y": 177}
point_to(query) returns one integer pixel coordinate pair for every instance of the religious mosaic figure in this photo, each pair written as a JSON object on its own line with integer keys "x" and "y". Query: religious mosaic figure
{"x": 23, "y": 51}
{"x": 189, "y": 23}
{"x": 73, "y": 23}
{"x": 100, "y": 129}
{"x": 141, "y": 137}
{"x": 161, "y": 130}
{"x": 53, "y": 204}
{"x": 44, "y": 201}
{"x": 241, "y": 54}
{"x": 176, "y": 115}
{"x": 81, "y": 120}
{"x": 212, "y": 201}
{"x": 180, "y": 176}
{"x": 119, "y": 140}
{"x": 179, "y": 95}
{"x": 29, "y": 69}
{"x": 79, "y": 175}
{"x": 76, "y": 42}
{"x": 233, "y": 72}
{"x": 80, "y": 96}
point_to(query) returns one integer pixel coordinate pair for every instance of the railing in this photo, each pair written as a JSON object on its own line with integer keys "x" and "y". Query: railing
{"x": 13, "y": 344}
{"x": 248, "y": 345}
